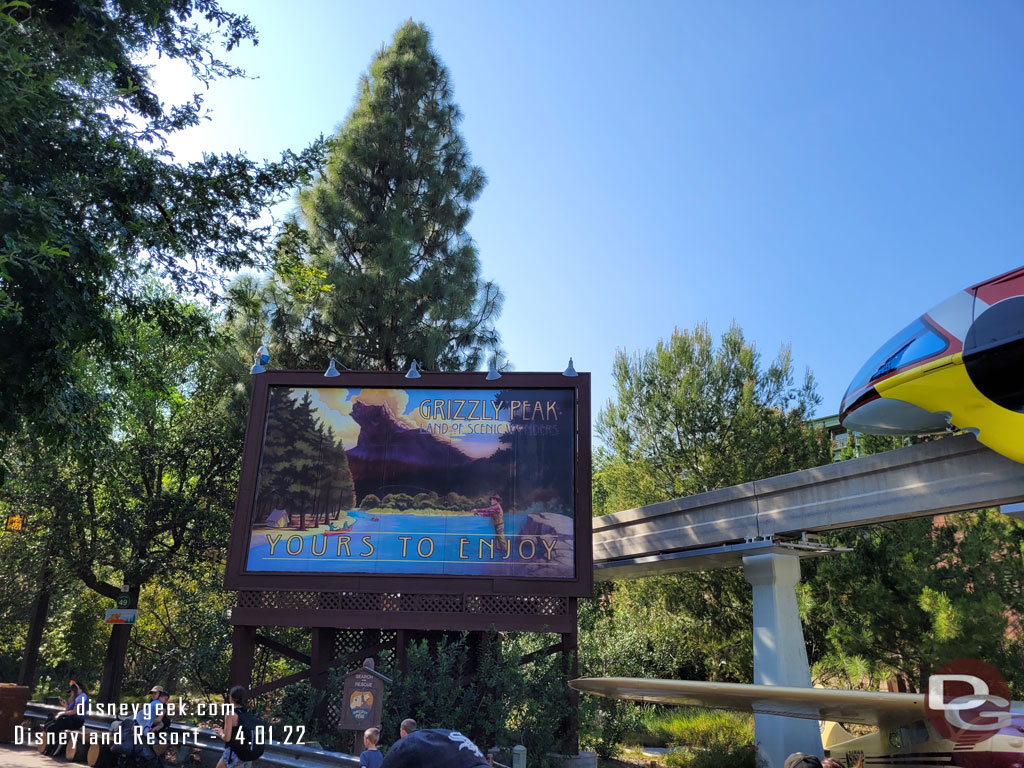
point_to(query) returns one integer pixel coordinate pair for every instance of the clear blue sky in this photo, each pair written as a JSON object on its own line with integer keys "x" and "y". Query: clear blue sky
{"x": 821, "y": 173}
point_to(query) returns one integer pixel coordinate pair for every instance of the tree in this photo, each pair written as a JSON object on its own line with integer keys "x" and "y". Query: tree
{"x": 915, "y": 594}
{"x": 154, "y": 494}
{"x": 690, "y": 417}
{"x": 386, "y": 225}
{"x": 90, "y": 198}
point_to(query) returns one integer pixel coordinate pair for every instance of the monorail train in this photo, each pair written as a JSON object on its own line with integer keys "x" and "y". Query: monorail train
{"x": 961, "y": 364}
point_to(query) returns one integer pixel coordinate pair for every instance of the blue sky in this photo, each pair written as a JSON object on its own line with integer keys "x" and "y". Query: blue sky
{"x": 821, "y": 173}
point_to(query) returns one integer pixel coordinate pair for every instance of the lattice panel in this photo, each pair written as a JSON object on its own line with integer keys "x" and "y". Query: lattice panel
{"x": 523, "y": 605}
{"x": 348, "y": 641}
{"x": 387, "y": 658}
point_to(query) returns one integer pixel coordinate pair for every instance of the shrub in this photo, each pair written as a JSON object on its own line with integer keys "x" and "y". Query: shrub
{"x": 719, "y": 756}
{"x": 705, "y": 728}
{"x": 370, "y": 501}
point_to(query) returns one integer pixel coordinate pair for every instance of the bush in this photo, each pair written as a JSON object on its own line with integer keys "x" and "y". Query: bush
{"x": 709, "y": 738}
{"x": 370, "y": 501}
{"x": 506, "y": 704}
{"x": 719, "y": 756}
{"x": 705, "y": 728}
{"x": 503, "y": 705}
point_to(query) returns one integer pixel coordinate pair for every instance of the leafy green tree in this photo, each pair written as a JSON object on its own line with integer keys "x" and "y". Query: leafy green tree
{"x": 915, "y": 594}
{"x": 691, "y": 416}
{"x": 155, "y": 495}
{"x": 90, "y": 198}
{"x": 386, "y": 224}
{"x": 183, "y": 636}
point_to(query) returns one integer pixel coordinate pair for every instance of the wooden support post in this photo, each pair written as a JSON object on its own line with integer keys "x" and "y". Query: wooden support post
{"x": 321, "y": 655}
{"x": 570, "y": 660}
{"x": 401, "y": 654}
{"x": 243, "y": 655}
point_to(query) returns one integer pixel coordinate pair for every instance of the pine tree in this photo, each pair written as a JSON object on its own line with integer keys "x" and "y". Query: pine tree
{"x": 386, "y": 225}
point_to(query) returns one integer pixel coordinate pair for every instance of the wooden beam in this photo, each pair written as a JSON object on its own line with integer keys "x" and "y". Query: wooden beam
{"x": 283, "y": 649}
{"x": 273, "y": 685}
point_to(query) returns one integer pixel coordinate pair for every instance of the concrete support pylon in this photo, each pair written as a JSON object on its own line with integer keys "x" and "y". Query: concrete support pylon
{"x": 780, "y": 657}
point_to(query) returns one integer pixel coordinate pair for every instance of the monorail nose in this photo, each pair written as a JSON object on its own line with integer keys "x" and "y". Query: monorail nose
{"x": 884, "y": 416}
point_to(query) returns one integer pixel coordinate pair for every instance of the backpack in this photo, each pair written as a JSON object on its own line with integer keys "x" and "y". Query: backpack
{"x": 243, "y": 740}
{"x": 125, "y": 745}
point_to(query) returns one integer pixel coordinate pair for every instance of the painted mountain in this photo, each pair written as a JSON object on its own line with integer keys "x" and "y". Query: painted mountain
{"x": 390, "y": 457}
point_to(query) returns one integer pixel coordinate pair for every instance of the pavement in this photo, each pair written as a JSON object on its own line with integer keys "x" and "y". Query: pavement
{"x": 12, "y": 756}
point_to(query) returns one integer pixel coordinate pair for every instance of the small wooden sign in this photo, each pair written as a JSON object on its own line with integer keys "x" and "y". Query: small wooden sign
{"x": 362, "y": 699}
{"x": 121, "y": 616}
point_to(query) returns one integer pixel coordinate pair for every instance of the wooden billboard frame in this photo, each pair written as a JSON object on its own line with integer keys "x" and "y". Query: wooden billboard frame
{"x": 581, "y": 585}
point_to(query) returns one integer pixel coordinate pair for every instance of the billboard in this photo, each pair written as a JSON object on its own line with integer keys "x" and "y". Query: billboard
{"x": 375, "y": 481}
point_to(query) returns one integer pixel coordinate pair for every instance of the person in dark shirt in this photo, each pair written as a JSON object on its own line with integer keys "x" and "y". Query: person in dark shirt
{"x": 434, "y": 748}
{"x": 371, "y": 756}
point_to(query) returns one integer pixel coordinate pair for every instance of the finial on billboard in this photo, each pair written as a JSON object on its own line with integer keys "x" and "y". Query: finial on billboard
{"x": 262, "y": 358}
{"x": 570, "y": 371}
{"x": 492, "y": 372}
{"x": 332, "y": 370}
{"x": 414, "y": 372}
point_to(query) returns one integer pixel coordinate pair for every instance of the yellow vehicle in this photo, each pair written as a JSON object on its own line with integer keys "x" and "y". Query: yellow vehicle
{"x": 958, "y": 365}
{"x": 905, "y": 737}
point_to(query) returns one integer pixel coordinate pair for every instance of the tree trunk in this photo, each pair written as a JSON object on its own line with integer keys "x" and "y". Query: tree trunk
{"x": 27, "y": 672}
{"x": 117, "y": 648}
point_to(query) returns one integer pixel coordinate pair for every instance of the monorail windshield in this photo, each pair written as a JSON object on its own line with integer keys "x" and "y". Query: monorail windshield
{"x": 918, "y": 341}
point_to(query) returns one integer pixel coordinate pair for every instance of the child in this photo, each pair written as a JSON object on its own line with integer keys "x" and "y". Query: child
{"x": 371, "y": 756}
{"x": 497, "y": 518}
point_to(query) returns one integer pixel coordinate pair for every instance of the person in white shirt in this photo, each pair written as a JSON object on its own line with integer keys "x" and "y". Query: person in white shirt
{"x": 149, "y": 714}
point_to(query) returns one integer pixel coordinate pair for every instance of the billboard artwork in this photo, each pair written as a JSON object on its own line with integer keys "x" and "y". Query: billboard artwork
{"x": 442, "y": 481}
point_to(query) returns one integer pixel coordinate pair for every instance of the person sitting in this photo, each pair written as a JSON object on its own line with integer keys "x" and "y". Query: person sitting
{"x": 147, "y": 717}
{"x": 70, "y": 719}
{"x": 161, "y": 723}
{"x": 434, "y": 748}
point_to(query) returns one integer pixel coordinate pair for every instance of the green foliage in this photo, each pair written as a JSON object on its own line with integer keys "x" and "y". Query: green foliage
{"x": 720, "y": 756}
{"x": 469, "y": 683}
{"x": 385, "y": 224}
{"x": 697, "y": 728}
{"x": 505, "y": 704}
{"x": 183, "y": 635}
{"x": 146, "y": 499}
{"x": 370, "y": 501}
{"x": 916, "y": 594}
{"x": 690, "y": 416}
{"x": 399, "y": 501}
{"x": 90, "y": 198}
